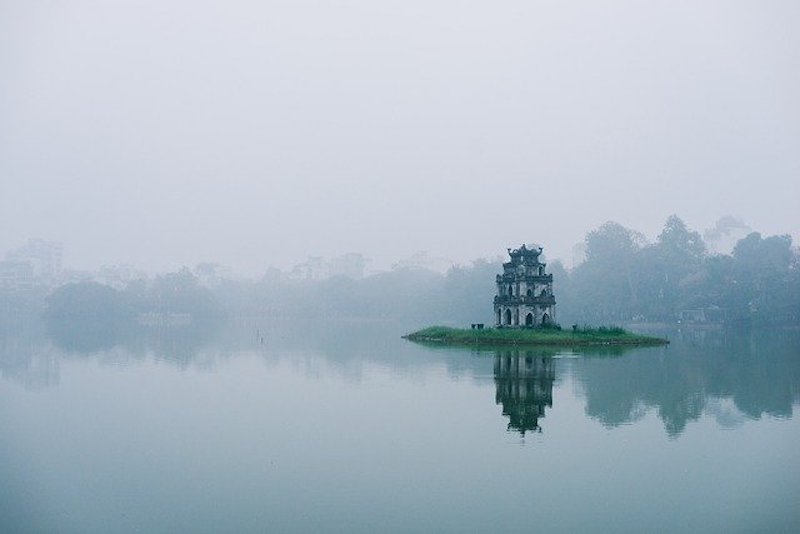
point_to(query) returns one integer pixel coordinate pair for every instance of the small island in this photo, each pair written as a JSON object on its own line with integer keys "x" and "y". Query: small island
{"x": 525, "y": 313}
{"x": 584, "y": 336}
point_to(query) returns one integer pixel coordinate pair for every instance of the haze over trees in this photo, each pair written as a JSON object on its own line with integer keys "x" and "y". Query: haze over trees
{"x": 168, "y": 295}
{"x": 623, "y": 278}
{"x": 626, "y": 279}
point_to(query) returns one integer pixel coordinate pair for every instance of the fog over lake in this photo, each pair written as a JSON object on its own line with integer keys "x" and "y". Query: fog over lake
{"x": 259, "y": 133}
{"x": 337, "y": 430}
{"x": 399, "y": 266}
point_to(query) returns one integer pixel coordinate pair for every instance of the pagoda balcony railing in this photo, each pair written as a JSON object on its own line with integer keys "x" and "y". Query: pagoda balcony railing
{"x": 510, "y": 264}
{"x": 531, "y": 279}
{"x": 542, "y": 300}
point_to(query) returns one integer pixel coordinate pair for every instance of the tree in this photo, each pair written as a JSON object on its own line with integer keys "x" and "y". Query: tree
{"x": 606, "y": 281}
{"x": 668, "y": 270}
{"x": 86, "y": 301}
{"x": 765, "y": 280}
{"x": 181, "y": 292}
{"x": 680, "y": 247}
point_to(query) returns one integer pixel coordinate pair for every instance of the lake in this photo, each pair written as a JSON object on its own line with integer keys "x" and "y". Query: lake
{"x": 345, "y": 427}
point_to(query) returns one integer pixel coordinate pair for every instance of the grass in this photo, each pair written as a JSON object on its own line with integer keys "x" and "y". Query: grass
{"x": 603, "y": 335}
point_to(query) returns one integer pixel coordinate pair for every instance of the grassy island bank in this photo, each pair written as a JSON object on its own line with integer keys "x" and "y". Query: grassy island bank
{"x": 515, "y": 336}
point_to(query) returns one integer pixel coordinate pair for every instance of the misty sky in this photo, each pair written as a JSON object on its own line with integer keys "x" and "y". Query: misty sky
{"x": 257, "y": 133}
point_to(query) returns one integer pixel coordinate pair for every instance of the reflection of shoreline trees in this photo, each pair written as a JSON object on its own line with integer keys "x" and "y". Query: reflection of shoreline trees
{"x": 756, "y": 371}
{"x": 169, "y": 318}
{"x": 176, "y": 344}
{"x": 26, "y": 359}
{"x": 30, "y": 355}
{"x": 32, "y": 358}
{"x": 759, "y": 371}
{"x": 524, "y": 387}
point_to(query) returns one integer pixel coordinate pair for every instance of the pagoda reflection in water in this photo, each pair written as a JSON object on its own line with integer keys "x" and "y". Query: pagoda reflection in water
{"x": 524, "y": 382}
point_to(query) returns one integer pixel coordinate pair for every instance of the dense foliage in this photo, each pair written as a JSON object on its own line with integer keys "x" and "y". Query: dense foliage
{"x": 625, "y": 279}
{"x": 173, "y": 293}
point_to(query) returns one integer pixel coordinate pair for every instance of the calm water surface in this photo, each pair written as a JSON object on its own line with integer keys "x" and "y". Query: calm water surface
{"x": 348, "y": 428}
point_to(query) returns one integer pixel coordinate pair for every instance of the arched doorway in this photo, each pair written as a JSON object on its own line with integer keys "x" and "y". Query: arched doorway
{"x": 508, "y": 317}
{"x": 529, "y": 320}
{"x": 545, "y": 319}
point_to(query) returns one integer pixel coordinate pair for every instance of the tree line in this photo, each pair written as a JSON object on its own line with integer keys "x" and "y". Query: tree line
{"x": 675, "y": 278}
{"x": 622, "y": 279}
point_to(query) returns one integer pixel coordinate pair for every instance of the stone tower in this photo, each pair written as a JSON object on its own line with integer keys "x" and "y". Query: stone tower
{"x": 524, "y": 292}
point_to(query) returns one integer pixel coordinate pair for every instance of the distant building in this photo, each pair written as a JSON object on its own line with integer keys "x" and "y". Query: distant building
{"x": 578, "y": 254}
{"x": 211, "y": 275}
{"x": 424, "y": 260}
{"x": 15, "y": 274}
{"x": 314, "y": 268}
{"x": 726, "y": 232}
{"x": 524, "y": 291}
{"x": 43, "y": 260}
{"x": 350, "y": 265}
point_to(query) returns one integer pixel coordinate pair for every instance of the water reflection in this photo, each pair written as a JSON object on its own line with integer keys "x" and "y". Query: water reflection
{"x": 524, "y": 387}
{"x": 178, "y": 344}
{"x": 729, "y": 375}
{"x": 757, "y": 372}
{"x": 31, "y": 353}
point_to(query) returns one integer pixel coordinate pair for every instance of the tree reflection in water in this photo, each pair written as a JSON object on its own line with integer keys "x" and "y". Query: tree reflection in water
{"x": 733, "y": 375}
{"x": 756, "y": 370}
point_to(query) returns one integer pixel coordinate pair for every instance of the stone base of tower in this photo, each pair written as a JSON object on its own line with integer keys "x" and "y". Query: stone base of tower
{"x": 524, "y": 316}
